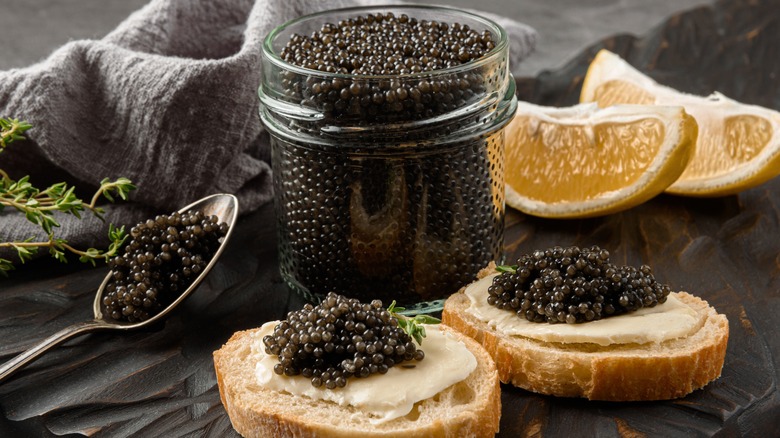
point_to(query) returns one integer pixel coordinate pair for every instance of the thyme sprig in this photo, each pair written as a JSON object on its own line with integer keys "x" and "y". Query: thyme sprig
{"x": 38, "y": 207}
{"x": 412, "y": 325}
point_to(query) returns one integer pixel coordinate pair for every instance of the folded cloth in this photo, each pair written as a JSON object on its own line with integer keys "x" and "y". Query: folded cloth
{"x": 168, "y": 100}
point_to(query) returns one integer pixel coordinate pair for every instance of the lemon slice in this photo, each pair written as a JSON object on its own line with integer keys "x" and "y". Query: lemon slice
{"x": 738, "y": 145}
{"x": 584, "y": 161}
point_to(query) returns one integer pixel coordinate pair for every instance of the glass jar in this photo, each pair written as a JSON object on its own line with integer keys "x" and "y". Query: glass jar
{"x": 387, "y": 186}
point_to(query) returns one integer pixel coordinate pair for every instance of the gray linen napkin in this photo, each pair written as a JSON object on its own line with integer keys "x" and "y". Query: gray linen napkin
{"x": 168, "y": 99}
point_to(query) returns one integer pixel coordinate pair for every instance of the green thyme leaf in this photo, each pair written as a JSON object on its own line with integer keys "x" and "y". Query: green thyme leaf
{"x": 25, "y": 253}
{"x": 90, "y": 255}
{"x": 11, "y": 130}
{"x": 5, "y": 266}
{"x": 58, "y": 254}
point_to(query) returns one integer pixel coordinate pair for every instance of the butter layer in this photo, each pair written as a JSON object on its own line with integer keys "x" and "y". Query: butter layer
{"x": 670, "y": 320}
{"x": 385, "y": 397}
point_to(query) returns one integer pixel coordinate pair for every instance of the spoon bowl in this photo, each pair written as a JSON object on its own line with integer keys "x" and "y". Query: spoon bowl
{"x": 223, "y": 206}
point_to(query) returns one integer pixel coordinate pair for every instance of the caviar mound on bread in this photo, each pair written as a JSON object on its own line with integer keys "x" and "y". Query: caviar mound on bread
{"x": 345, "y": 368}
{"x": 624, "y": 338}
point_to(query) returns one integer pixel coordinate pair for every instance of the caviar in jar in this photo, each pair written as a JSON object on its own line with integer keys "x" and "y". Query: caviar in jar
{"x": 387, "y": 149}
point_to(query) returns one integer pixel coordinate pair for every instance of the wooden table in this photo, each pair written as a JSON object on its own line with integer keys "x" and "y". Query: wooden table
{"x": 160, "y": 382}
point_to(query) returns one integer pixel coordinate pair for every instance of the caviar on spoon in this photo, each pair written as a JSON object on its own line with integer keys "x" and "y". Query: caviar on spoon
{"x": 222, "y": 206}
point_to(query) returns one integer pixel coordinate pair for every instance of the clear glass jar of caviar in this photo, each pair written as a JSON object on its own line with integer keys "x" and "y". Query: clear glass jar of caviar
{"x": 387, "y": 149}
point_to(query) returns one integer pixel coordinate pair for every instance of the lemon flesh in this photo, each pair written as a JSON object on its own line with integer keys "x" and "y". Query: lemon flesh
{"x": 584, "y": 161}
{"x": 738, "y": 145}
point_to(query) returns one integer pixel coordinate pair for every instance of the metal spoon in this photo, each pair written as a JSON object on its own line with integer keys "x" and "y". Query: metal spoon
{"x": 224, "y": 206}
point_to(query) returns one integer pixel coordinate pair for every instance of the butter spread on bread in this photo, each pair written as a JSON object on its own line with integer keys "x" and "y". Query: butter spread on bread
{"x": 386, "y": 397}
{"x": 670, "y": 320}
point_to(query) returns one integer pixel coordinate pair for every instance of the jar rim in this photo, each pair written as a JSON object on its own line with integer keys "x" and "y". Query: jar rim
{"x": 386, "y": 136}
{"x": 501, "y": 45}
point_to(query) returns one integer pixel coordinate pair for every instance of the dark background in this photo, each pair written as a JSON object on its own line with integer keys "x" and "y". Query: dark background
{"x": 31, "y": 29}
{"x": 160, "y": 382}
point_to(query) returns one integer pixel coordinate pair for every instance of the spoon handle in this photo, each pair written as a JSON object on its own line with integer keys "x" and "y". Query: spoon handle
{"x": 37, "y": 350}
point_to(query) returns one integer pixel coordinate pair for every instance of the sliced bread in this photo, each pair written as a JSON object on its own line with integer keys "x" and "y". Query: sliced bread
{"x": 652, "y": 371}
{"x": 470, "y": 408}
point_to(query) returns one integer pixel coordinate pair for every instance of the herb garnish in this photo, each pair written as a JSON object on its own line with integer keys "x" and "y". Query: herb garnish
{"x": 512, "y": 269}
{"x": 412, "y": 325}
{"x": 38, "y": 207}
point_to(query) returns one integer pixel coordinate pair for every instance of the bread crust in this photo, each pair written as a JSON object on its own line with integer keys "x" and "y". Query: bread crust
{"x": 470, "y": 408}
{"x": 630, "y": 372}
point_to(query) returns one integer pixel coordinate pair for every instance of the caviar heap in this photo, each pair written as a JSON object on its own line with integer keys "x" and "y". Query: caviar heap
{"x": 388, "y": 228}
{"x": 573, "y": 285}
{"x": 338, "y": 339}
{"x": 383, "y": 44}
{"x": 163, "y": 258}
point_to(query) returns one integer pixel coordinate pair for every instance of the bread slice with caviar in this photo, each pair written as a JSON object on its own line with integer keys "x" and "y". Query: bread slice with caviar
{"x": 620, "y": 372}
{"x": 469, "y": 408}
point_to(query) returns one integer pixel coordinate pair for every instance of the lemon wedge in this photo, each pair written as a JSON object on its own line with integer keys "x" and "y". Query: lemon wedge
{"x": 584, "y": 161}
{"x": 738, "y": 145}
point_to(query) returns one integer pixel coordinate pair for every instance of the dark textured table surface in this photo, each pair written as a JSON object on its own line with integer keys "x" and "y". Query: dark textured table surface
{"x": 160, "y": 382}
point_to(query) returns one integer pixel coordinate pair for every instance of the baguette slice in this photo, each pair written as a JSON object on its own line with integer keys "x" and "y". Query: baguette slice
{"x": 628, "y": 372}
{"x": 470, "y": 408}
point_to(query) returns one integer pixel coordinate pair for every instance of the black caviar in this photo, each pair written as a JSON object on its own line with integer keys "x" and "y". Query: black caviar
{"x": 574, "y": 285}
{"x": 163, "y": 258}
{"x": 389, "y": 183}
{"x": 338, "y": 339}
{"x": 385, "y": 45}
{"x": 405, "y": 228}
